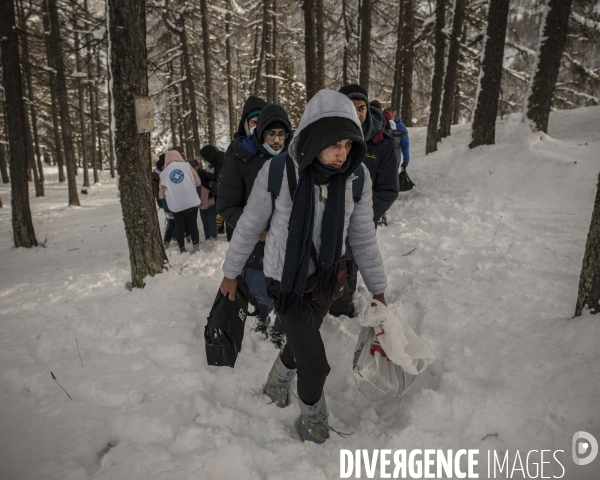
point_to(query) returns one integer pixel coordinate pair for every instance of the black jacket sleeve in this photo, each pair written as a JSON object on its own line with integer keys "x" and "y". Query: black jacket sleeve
{"x": 231, "y": 198}
{"x": 385, "y": 185}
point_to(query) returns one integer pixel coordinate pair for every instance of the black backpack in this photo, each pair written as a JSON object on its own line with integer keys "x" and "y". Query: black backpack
{"x": 224, "y": 330}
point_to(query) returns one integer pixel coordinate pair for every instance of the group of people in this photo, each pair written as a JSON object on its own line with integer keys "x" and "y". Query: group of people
{"x": 300, "y": 243}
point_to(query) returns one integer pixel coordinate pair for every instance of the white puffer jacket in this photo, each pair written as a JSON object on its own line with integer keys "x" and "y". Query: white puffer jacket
{"x": 358, "y": 225}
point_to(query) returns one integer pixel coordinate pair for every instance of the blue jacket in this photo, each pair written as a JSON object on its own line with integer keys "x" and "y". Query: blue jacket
{"x": 404, "y": 145}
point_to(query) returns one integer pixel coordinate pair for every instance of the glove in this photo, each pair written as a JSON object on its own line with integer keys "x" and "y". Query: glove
{"x": 403, "y": 166}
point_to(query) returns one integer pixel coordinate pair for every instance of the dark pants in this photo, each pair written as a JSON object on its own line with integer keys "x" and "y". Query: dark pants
{"x": 170, "y": 229}
{"x": 343, "y": 305}
{"x": 209, "y": 222}
{"x": 304, "y": 349}
{"x": 190, "y": 215}
{"x": 228, "y": 231}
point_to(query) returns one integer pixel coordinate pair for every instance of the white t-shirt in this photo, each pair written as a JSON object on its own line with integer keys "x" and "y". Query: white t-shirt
{"x": 180, "y": 185}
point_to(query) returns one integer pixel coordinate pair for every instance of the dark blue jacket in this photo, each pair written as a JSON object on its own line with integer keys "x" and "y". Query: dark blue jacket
{"x": 404, "y": 145}
{"x": 381, "y": 162}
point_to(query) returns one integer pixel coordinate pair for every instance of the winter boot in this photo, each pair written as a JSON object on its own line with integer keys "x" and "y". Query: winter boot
{"x": 311, "y": 424}
{"x": 278, "y": 383}
{"x": 196, "y": 247}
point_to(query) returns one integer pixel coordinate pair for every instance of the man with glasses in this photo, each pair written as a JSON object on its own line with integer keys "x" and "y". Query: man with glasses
{"x": 249, "y": 153}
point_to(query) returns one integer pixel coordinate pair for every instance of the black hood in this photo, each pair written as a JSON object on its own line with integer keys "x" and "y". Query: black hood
{"x": 271, "y": 113}
{"x": 252, "y": 103}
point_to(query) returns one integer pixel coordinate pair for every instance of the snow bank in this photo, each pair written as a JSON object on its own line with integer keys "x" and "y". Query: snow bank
{"x": 497, "y": 236}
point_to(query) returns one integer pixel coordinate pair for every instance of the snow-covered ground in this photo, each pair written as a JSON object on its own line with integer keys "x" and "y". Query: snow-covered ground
{"x": 497, "y": 235}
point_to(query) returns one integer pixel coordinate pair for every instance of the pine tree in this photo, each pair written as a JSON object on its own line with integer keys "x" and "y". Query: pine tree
{"x": 486, "y": 103}
{"x": 589, "y": 281}
{"x": 291, "y": 92}
{"x": 127, "y": 22}
{"x": 553, "y": 35}
{"x": 23, "y": 233}
{"x": 438, "y": 78}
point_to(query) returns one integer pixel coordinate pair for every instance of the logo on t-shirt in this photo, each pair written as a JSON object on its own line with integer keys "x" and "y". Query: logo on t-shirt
{"x": 177, "y": 176}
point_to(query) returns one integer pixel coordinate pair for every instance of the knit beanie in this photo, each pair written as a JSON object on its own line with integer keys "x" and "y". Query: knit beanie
{"x": 210, "y": 153}
{"x": 253, "y": 113}
{"x": 355, "y": 92}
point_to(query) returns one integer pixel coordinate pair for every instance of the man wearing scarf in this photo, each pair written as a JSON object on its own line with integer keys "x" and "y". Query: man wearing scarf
{"x": 326, "y": 150}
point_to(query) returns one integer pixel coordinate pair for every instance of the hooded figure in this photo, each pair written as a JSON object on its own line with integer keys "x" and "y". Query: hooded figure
{"x": 381, "y": 158}
{"x": 160, "y": 164}
{"x": 247, "y": 157}
{"x": 178, "y": 182}
{"x": 306, "y": 238}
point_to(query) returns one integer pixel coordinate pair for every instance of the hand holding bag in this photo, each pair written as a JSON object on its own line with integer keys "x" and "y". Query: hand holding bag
{"x": 388, "y": 355}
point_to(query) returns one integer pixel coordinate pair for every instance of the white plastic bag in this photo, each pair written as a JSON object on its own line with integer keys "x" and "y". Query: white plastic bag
{"x": 388, "y": 355}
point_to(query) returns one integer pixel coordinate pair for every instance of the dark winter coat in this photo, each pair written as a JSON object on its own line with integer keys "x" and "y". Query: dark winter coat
{"x": 252, "y": 103}
{"x": 156, "y": 179}
{"x": 242, "y": 167}
{"x": 382, "y": 163}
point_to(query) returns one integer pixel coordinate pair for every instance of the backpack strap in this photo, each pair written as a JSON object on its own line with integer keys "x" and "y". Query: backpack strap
{"x": 358, "y": 183}
{"x": 278, "y": 163}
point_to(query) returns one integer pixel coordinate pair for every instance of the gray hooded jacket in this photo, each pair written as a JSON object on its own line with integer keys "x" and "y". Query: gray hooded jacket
{"x": 358, "y": 226}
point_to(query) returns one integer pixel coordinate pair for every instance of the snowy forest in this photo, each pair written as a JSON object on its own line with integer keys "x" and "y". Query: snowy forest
{"x": 492, "y": 255}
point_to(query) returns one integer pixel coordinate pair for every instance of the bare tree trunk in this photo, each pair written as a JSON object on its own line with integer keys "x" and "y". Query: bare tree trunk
{"x": 228, "y": 59}
{"x": 58, "y": 146}
{"x": 26, "y": 77}
{"x": 65, "y": 118}
{"x": 486, "y": 103}
{"x": 3, "y": 164}
{"x": 408, "y": 60}
{"x": 210, "y": 112}
{"x": 267, "y": 47}
{"x": 552, "y": 38}
{"x": 320, "y": 31}
{"x": 452, "y": 68}
{"x": 263, "y": 49}
{"x": 172, "y": 114}
{"x": 365, "y": 44}
{"x": 111, "y": 140}
{"x": 189, "y": 146}
{"x": 255, "y": 58}
{"x": 22, "y": 225}
{"x": 310, "y": 49}
{"x": 437, "y": 80}
{"x": 189, "y": 83}
{"x": 275, "y": 54}
{"x": 347, "y": 37}
{"x": 397, "y": 87}
{"x": 127, "y": 33}
{"x": 93, "y": 101}
{"x": 589, "y": 281}
{"x": 39, "y": 185}
{"x": 84, "y": 146}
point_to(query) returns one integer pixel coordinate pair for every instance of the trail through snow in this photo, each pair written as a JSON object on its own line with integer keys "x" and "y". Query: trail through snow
{"x": 483, "y": 259}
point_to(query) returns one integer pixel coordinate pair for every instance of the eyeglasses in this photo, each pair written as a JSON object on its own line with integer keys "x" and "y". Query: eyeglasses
{"x": 270, "y": 135}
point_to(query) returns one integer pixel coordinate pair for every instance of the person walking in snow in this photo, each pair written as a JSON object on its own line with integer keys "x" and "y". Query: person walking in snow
{"x": 250, "y": 112}
{"x": 178, "y": 182}
{"x": 305, "y": 245}
{"x": 208, "y": 178}
{"x": 270, "y": 137}
{"x": 381, "y": 162}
